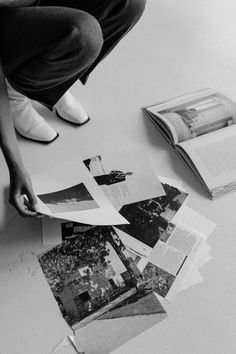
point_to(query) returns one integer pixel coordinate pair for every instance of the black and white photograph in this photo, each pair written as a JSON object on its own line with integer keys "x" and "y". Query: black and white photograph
{"x": 123, "y": 322}
{"x": 103, "y": 177}
{"x": 150, "y": 220}
{"x": 125, "y": 177}
{"x": 89, "y": 274}
{"x": 200, "y": 116}
{"x": 71, "y": 229}
{"x": 117, "y": 177}
{"x": 157, "y": 279}
{"x": 71, "y": 199}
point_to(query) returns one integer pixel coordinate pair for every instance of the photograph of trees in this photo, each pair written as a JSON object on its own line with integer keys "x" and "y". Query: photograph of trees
{"x": 87, "y": 272}
{"x": 150, "y": 219}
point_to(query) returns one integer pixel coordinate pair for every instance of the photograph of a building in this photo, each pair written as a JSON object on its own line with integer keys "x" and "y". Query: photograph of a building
{"x": 89, "y": 274}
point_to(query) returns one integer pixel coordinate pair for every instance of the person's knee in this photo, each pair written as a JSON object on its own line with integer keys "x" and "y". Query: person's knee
{"x": 87, "y": 36}
{"x": 133, "y": 10}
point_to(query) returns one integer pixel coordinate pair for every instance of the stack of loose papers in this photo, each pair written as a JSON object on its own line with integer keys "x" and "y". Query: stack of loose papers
{"x": 104, "y": 276}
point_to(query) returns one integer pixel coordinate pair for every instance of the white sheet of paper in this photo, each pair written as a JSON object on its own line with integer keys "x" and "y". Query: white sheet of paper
{"x": 139, "y": 184}
{"x": 51, "y": 231}
{"x": 203, "y": 257}
{"x": 172, "y": 182}
{"x": 194, "y": 220}
{"x": 96, "y": 209}
{"x": 183, "y": 241}
{"x": 192, "y": 278}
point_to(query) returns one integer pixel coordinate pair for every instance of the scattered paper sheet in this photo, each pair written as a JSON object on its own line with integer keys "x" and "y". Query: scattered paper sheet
{"x": 193, "y": 277}
{"x": 195, "y": 220}
{"x": 121, "y": 325}
{"x": 171, "y": 259}
{"x": 70, "y": 192}
{"x": 150, "y": 220}
{"x": 56, "y": 230}
{"x": 98, "y": 288}
{"x": 125, "y": 177}
{"x": 70, "y": 342}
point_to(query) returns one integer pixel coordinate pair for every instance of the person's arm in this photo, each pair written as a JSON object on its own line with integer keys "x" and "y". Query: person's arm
{"x": 20, "y": 183}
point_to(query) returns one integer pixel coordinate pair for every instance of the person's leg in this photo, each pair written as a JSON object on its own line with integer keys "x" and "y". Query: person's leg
{"x": 39, "y": 49}
{"x": 44, "y": 47}
{"x": 116, "y": 18}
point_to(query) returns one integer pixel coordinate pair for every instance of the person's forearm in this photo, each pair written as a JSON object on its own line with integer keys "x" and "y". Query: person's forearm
{"x": 8, "y": 142}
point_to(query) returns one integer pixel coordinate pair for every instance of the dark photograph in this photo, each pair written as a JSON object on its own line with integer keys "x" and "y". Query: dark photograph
{"x": 150, "y": 220}
{"x": 89, "y": 274}
{"x": 71, "y": 199}
{"x": 73, "y": 229}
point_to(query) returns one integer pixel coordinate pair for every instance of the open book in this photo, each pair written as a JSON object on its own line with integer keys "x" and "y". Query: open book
{"x": 201, "y": 128}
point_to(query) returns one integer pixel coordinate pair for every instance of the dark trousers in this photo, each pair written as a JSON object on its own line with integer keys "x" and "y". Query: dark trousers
{"x": 44, "y": 49}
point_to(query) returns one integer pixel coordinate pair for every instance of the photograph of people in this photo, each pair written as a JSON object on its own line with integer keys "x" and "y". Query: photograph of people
{"x": 46, "y": 46}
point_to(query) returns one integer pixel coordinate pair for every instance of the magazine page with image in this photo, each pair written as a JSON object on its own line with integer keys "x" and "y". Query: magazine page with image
{"x": 165, "y": 269}
{"x": 150, "y": 219}
{"x": 68, "y": 191}
{"x": 95, "y": 283}
{"x": 201, "y": 127}
{"x": 125, "y": 177}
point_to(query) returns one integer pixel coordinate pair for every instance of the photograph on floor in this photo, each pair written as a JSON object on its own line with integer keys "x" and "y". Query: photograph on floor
{"x": 70, "y": 229}
{"x": 89, "y": 274}
{"x": 129, "y": 318}
{"x": 157, "y": 279}
{"x": 150, "y": 219}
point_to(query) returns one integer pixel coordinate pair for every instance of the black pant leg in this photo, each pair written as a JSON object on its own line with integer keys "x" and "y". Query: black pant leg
{"x": 53, "y": 45}
{"x": 116, "y": 18}
{"x": 46, "y": 77}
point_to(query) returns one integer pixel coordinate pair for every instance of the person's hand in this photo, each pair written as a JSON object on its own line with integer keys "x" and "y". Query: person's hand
{"x": 21, "y": 194}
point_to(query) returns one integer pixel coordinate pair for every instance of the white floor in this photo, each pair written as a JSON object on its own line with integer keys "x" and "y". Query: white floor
{"x": 178, "y": 46}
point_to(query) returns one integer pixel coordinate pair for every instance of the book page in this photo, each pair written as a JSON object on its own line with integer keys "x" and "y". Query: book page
{"x": 214, "y": 156}
{"x": 196, "y": 115}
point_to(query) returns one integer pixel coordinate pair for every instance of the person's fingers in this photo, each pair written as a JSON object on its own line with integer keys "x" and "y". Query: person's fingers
{"x": 31, "y": 198}
{"x": 39, "y": 216}
{"x": 21, "y": 208}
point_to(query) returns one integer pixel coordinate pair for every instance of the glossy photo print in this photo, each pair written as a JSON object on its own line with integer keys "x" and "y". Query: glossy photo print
{"x": 75, "y": 198}
{"x": 89, "y": 274}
